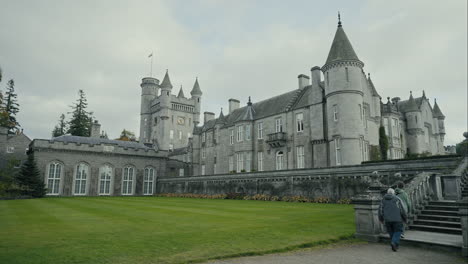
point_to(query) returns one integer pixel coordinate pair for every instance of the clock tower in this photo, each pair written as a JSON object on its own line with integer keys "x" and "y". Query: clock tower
{"x": 170, "y": 119}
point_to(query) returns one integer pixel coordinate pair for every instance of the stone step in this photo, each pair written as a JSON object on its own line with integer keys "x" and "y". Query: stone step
{"x": 448, "y": 203}
{"x": 437, "y": 223}
{"x": 438, "y": 212}
{"x": 439, "y": 218}
{"x": 429, "y": 240}
{"x": 441, "y": 208}
{"x": 437, "y": 229}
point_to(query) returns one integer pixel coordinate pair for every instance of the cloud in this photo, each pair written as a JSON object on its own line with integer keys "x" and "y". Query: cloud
{"x": 236, "y": 48}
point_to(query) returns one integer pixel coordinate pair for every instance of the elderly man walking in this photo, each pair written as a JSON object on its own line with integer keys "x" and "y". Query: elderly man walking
{"x": 391, "y": 212}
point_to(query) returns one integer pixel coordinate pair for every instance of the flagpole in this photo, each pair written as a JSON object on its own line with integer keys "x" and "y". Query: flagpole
{"x": 151, "y": 64}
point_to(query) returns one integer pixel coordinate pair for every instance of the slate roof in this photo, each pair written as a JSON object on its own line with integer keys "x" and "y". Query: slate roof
{"x": 178, "y": 151}
{"x": 271, "y": 106}
{"x": 181, "y": 92}
{"x": 410, "y": 105}
{"x": 95, "y": 141}
{"x": 341, "y": 48}
{"x": 371, "y": 85}
{"x": 196, "y": 89}
{"x": 166, "y": 83}
{"x": 436, "y": 110}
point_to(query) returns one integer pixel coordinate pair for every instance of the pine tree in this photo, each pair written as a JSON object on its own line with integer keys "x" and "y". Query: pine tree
{"x": 11, "y": 107}
{"x": 81, "y": 120}
{"x": 29, "y": 178}
{"x": 61, "y": 128}
{"x": 383, "y": 143}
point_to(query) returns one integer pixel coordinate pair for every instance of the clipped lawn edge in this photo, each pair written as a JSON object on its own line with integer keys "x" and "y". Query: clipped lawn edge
{"x": 343, "y": 238}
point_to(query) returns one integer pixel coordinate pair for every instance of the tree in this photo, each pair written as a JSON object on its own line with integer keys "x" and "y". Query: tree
{"x": 462, "y": 147}
{"x": 29, "y": 178}
{"x": 127, "y": 135}
{"x": 11, "y": 107}
{"x": 61, "y": 128}
{"x": 383, "y": 143}
{"x": 81, "y": 120}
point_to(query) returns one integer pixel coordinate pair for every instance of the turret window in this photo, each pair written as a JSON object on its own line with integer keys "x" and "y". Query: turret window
{"x": 335, "y": 113}
{"x": 347, "y": 74}
{"x": 240, "y": 133}
{"x": 260, "y": 130}
{"x": 247, "y": 132}
{"x": 337, "y": 151}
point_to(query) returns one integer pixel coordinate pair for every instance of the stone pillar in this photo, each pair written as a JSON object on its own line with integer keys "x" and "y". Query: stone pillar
{"x": 366, "y": 211}
{"x": 463, "y": 212}
{"x": 438, "y": 187}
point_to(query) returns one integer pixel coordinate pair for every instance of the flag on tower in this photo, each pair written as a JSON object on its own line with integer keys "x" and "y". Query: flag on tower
{"x": 151, "y": 55}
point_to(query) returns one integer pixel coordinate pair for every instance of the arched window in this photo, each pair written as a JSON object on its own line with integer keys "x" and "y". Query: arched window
{"x": 279, "y": 160}
{"x": 148, "y": 181}
{"x": 105, "y": 180}
{"x": 127, "y": 180}
{"x": 81, "y": 178}
{"x": 53, "y": 178}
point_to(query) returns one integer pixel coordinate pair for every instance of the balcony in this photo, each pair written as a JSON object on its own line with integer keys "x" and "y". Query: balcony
{"x": 276, "y": 140}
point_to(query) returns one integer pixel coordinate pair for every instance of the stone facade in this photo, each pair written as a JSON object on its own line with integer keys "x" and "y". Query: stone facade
{"x": 323, "y": 123}
{"x": 13, "y": 147}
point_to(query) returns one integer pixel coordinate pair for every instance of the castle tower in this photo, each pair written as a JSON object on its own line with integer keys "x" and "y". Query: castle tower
{"x": 344, "y": 99}
{"x": 414, "y": 126}
{"x": 439, "y": 120}
{"x": 196, "y": 97}
{"x": 149, "y": 91}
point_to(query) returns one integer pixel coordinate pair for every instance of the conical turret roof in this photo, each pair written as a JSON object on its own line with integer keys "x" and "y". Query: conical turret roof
{"x": 196, "y": 89}
{"x": 166, "y": 83}
{"x": 221, "y": 119}
{"x": 181, "y": 93}
{"x": 436, "y": 110}
{"x": 341, "y": 48}
{"x": 249, "y": 113}
{"x": 412, "y": 106}
{"x": 371, "y": 84}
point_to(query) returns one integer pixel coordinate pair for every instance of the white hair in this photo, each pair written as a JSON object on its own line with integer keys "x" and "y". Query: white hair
{"x": 391, "y": 191}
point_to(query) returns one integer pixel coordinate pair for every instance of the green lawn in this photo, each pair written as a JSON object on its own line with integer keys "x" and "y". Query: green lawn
{"x": 160, "y": 230}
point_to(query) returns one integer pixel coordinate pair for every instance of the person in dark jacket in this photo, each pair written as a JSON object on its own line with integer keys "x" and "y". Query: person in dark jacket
{"x": 391, "y": 212}
{"x": 400, "y": 193}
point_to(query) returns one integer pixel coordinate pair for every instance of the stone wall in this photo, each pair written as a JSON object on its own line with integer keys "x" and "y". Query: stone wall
{"x": 333, "y": 183}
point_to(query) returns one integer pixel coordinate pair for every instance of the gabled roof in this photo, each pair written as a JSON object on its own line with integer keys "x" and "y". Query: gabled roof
{"x": 95, "y": 141}
{"x": 268, "y": 107}
{"x": 341, "y": 48}
{"x": 166, "y": 83}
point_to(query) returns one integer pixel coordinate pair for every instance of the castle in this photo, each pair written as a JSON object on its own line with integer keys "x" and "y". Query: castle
{"x": 324, "y": 122}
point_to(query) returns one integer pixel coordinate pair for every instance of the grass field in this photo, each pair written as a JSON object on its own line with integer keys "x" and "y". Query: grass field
{"x": 160, "y": 230}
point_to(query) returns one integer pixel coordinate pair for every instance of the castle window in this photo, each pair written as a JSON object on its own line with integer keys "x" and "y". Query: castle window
{"x": 171, "y": 134}
{"x": 279, "y": 160}
{"x": 300, "y": 122}
{"x": 337, "y": 151}
{"x": 426, "y": 135}
{"x": 240, "y": 162}
{"x": 364, "y": 113}
{"x": 127, "y": 181}
{"x": 260, "y": 130}
{"x": 81, "y": 177}
{"x": 386, "y": 126}
{"x": 231, "y": 136}
{"x": 300, "y": 157}
{"x": 181, "y": 172}
{"x": 347, "y": 74}
{"x": 260, "y": 161}
{"x": 53, "y": 178}
{"x": 278, "y": 125}
{"x": 248, "y": 161}
{"x": 360, "y": 112}
{"x": 203, "y": 153}
{"x": 155, "y": 121}
{"x": 247, "y": 132}
{"x": 148, "y": 181}
{"x": 335, "y": 113}
{"x": 105, "y": 180}
{"x": 361, "y": 146}
{"x": 328, "y": 82}
{"x": 10, "y": 150}
{"x": 231, "y": 163}
{"x": 202, "y": 169}
{"x": 366, "y": 150}
{"x": 180, "y": 134}
{"x": 240, "y": 133}
{"x": 203, "y": 137}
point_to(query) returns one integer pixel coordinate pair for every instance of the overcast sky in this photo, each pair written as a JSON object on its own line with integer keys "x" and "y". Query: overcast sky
{"x": 236, "y": 48}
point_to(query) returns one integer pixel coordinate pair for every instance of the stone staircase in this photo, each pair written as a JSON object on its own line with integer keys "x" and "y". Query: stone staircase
{"x": 438, "y": 216}
{"x": 464, "y": 185}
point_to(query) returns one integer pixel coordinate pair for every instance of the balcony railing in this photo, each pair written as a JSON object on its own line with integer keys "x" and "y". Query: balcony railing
{"x": 277, "y": 139}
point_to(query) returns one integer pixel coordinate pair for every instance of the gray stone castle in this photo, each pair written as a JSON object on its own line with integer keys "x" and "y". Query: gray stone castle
{"x": 324, "y": 122}
{"x": 331, "y": 119}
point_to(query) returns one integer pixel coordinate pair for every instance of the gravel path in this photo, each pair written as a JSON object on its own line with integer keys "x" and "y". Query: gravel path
{"x": 361, "y": 253}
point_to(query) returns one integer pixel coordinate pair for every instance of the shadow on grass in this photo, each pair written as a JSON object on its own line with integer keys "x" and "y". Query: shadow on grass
{"x": 349, "y": 238}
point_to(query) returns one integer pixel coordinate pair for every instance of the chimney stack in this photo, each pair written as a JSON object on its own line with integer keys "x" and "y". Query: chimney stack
{"x": 96, "y": 129}
{"x": 233, "y": 105}
{"x": 207, "y": 116}
{"x": 303, "y": 80}
{"x": 316, "y": 77}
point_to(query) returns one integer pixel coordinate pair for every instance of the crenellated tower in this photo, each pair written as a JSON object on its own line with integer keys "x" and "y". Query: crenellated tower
{"x": 149, "y": 91}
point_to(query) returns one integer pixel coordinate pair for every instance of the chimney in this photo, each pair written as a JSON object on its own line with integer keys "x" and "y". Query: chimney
{"x": 303, "y": 80}
{"x": 395, "y": 100}
{"x": 233, "y": 105}
{"x": 315, "y": 76}
{"x": 207, "y": 116}
{"x": 96, "y": 129}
